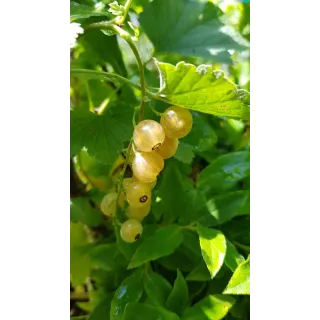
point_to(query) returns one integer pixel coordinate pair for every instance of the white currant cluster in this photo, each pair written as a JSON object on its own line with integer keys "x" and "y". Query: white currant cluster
{"x": 152, "y": 143}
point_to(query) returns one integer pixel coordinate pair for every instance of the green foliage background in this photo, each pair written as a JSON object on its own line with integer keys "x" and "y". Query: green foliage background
{"x": 193, "y": 259}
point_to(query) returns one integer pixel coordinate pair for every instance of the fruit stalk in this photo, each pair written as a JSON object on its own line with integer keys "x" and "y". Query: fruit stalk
{"x": 142, "y": 79}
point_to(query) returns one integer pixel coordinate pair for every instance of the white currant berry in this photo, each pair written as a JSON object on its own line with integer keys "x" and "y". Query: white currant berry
{"x": 176, "y": 122}
{"x": 139, "y": 194}
{"x": 147, "y": 165}
{"x": 126, "y": 182}
{"x": 131, "y": 230}
{"x": 148, "y": 135}
{"x": 108, "y": 203}
{"x": 168, "y": 148}
{"x": 152, "y": 184}
{"x": 138, "y": 213}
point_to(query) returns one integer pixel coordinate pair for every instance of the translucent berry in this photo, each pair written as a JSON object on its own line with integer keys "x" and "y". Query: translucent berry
{"x": 176, "y": 122}
{"x": 108, "y": 203}
{"x": 152, "y": 184}
{"x": 138, "y": 213}
{"x": 147, "y": 165}
{"x": 148, "y": 135}
{"x": 131, "y": 230}
{"x": 168, "y": 148}
{"x": 125, "y": 183}
{"x": 139, "y": 194}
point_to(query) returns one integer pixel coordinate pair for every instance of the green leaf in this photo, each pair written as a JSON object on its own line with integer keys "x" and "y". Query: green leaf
{"x": 190, "y": 28}
{"x": 81, "y": 11}
{"x": 80, "y": 264}
{"x": 201, "y": 89}
{"x": 213, "y": 248}
{"x": 184, "y": 153}
{"x": 105, "y": 49}
{"x": 191, "y": 242}
{"x": 202, "y": 137}
{"x": 240, "y": 280}
{"x": 233, "y": 258}
{"x": 157, "y": 288}
{"x": 128, "y": 249}
{"x": 116, "y": 9}
{"x": 172, "y": 192}
{"x": 199, "y": 273}
{"x": 107, "y": 257}
{"x": 225, "y": 172}
{"x": 180, "y": 259}
{"x": 130, "y": 290}
{"x": 227, "y": 206}
{"x": 241, "y": 309}
{"x": 213, "y": 307}
{"x": 82, "y": 211}
{"x": 102, "y": 135}
{"x": 102, "y": 310}
{"x": 237, "y": 230}
{"x": 139, "y": 311}
{"x": 163, "y": 243}
{"x": 194, "y": 207}
{"x": 178, "y": 298}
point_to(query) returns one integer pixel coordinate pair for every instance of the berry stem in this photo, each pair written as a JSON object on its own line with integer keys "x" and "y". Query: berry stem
{"x": 141, "y": 73}
{"x": 91, "y": 106}
{"x": 113, "y": 77}
{"x": 134, "y": 116}
{"x": 123, "y": 171}
{"x": 159, "y": 114}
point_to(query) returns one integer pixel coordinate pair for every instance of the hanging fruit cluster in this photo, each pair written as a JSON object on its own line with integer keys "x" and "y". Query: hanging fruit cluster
{"x": 152, "y": 143}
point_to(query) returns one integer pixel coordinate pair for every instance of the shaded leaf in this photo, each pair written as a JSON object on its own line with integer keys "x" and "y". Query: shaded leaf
{"x": 213, "y": 248}
{"x": 199, "y": 273}
{"x": 101, "y": 310}
{"x": 184, "y": 153}
{"x": 163, "y": 243}
{"x": 223, "y": 207}
{"x": 240, "y": 281}
{"x": 82, "y": 211}
{"x": 227, "y": 206}
{"x": 172, "y": 192}
{"x": 102, "y": 135}
{"x": 138, "y": 311}
{"x": 237, "y": 230}
{"x": 202, "y": 137}
{"x": 107, "y": 257}
{"x": 213, "y": 307}
{"x": 224, "y": 172}
{"x": 194, "y": 206}
{"x": 105, "y": 49}
{"x": 233, "y": 258}
{"x": 180, "y": 259}
{"x": 179, "y": 296}
{"x": 190, "y": 28}
{"x": 157, "y": 288}
{"x": 130, "y": 290}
